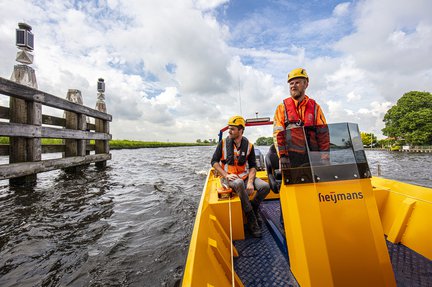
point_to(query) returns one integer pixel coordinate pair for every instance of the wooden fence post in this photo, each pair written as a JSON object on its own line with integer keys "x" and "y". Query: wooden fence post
{"x": 24, "y": 112}
{"x": 102, "y": 126}
{"x": 74, "y": 121}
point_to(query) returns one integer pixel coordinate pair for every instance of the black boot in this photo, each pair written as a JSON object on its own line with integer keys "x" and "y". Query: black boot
{"x": 252, "y": 224}
{"x": 255, "y": 207}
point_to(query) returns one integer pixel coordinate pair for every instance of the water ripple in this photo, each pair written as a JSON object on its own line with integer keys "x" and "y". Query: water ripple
{"x": 128, "y": 225}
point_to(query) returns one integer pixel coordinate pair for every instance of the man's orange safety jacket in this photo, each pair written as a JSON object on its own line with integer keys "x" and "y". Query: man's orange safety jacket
{"x": 291, "y": 113}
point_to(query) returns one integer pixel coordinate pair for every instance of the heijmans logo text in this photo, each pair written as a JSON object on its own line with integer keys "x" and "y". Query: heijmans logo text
{"x": 336, "y": 197}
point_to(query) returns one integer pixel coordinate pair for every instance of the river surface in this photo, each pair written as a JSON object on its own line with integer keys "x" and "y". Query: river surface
{"x": 128, "y": 225}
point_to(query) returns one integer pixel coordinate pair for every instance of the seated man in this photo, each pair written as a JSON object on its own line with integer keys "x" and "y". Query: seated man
{"x": 234, "y": 159}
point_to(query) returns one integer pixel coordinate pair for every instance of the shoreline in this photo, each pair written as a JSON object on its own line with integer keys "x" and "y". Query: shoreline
{"x": 128, "y": 144}
{"x": 122, "y": 144}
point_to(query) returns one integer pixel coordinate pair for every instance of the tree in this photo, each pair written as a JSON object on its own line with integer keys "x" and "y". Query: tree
{"x": 410, "y": 119}
{"x": 198, "y": 141}
{"x": 368, "y": 139}
{"x": 263, "y": 141}
{"x": 386, "y": 143}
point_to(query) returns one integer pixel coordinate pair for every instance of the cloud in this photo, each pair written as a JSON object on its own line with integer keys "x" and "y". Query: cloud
{"x": 390, "y": 36}
{"x": 179, "y": 71}
{"x": 342, "y": 9}
{"x": 352, "y": 96}
{"x": 209, "y": 4}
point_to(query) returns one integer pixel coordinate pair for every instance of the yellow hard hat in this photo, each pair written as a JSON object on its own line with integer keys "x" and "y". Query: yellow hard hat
{"x": 237, "y": 121}
{"x": 297, "y": 73}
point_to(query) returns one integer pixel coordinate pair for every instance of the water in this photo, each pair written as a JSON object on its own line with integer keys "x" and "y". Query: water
{"x": 128, "y": 225}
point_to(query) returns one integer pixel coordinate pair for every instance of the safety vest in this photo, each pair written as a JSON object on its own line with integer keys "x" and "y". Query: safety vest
{"x": 233, "y": 160}
{"x": 294, "y": 135}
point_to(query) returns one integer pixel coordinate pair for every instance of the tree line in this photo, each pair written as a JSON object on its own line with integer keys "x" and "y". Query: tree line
{"x": 206, "y": 141}
{"x": 409, "y": 122}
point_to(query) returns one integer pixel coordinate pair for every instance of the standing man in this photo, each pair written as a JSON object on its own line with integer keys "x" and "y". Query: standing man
{"x": 234, "y": 159}
{"x": 296, "y": 111}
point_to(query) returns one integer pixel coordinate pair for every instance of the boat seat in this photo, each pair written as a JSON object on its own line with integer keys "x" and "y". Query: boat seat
{"x": 273, "y": 172}
{"x": 220, "y": 208}
{"x": 259, "y": 160}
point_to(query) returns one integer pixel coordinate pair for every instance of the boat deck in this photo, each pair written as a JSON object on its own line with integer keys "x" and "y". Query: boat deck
{"x": 268, "y": 258}
{"x": 261, "y": 262}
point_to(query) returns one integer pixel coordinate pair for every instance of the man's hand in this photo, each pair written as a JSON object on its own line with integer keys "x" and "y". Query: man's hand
{"x": 231, "y": 177}
{"x": 325, "y": 158}
{"x": 284, "y": 163}
{"x": 249, "y": 188}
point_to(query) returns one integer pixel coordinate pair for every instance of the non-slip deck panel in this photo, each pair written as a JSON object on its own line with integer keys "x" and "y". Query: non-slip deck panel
{"x": 271, "y": 210}
{"x": 261, "y": 263}
{"x": 410, "y": 268}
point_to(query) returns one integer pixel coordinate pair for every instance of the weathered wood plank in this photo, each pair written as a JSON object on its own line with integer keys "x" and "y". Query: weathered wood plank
{"x": 26, "y": 93}
{"x": 49, "y": 148}
{"x": 71, "y": 146}
{"x": 4, "y": 113}
{"x": 101, "y": 146}
{"x": 53, "y": 121}
{"x": 22, "y": 130}
{"x": 27, "y": 168}
{"x": 53, "y": 148}
{"x": 91, "y": 127}
{"x": 4, "y": 149}
{"x": 18, "y": 116}
{"x": 34, "y": 117}
{"x": 81, "y": 125}
{"x": 46, "y": 119}
{"x": 19, "y": 112}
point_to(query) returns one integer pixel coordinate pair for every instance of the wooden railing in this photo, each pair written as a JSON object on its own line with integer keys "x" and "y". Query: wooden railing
{"x": 27, "y": 126}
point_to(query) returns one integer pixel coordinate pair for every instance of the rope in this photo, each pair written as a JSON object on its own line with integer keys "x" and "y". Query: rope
{"x": 231, "y": 244}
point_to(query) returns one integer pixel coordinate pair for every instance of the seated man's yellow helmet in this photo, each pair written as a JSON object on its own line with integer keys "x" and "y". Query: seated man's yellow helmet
{"x": 237, "y": 121}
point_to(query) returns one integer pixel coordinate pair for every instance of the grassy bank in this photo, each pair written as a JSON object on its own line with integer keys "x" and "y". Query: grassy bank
{"x": 121, "y": 144}
{"x": 127, "y": 144}
{"x": 5, "y": 140}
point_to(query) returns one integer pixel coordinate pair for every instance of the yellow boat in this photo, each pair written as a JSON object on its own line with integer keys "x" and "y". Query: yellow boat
{"x": 340, "y": 226}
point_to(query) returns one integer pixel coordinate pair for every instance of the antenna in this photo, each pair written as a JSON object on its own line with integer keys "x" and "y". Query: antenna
{"x": 238, "y": 77}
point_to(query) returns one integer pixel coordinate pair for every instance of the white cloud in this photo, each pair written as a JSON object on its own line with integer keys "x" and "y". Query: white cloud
{"x": 352, "y": 97}
{"x": 172, "y": 68}
{"x": 342, "y": 9}
{"x": 209, "y": 4}
{"x": 167, "y": 98}
{"x": 392, "y": 38}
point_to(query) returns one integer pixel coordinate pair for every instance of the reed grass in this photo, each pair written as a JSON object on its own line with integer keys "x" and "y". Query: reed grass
{"x": 128, "y": 144}
{"x": 5, "y": 140}
{"x": 121, "y": 144}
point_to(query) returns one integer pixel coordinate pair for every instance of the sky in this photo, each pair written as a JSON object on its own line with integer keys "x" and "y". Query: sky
{"x": 177, "y": 70}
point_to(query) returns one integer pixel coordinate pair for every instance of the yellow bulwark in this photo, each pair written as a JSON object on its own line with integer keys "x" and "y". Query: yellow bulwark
{"x": 334, "y": 234}
{"x": 209, "y": 258}
{"x": 406, "y": 212}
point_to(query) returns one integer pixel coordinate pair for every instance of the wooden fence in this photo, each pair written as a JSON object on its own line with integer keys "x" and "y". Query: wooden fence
{"x": 27, "y": 126}
{"x": 426, "y": 149}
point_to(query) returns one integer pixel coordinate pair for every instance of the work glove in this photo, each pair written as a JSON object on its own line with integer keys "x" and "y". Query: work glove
{"x": 284, "y": 163}
{"x": 325, "y": 158}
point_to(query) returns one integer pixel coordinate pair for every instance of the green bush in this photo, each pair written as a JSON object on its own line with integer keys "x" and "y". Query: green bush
{"x": 395, "y": 148}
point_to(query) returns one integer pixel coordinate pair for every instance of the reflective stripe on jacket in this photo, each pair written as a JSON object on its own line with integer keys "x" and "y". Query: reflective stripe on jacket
{"x": 241, "y": 170}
